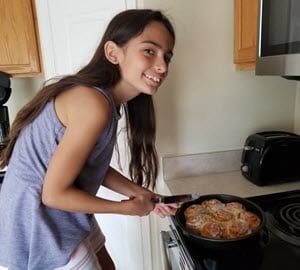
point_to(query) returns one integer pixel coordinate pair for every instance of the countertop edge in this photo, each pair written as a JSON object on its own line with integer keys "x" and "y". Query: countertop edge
{"x": 223, "y": 183}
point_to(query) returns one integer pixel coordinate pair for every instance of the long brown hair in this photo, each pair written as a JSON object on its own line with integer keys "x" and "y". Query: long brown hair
{"x": 99, "y": 72}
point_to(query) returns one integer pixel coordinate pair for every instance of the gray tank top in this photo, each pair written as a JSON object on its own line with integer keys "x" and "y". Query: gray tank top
{"x": 33, "y": 236}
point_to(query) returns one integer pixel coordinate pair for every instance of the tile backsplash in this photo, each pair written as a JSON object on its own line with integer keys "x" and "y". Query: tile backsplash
{"x": 199, "y": 164}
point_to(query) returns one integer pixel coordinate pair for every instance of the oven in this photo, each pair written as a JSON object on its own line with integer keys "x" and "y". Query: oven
{"x": 276, "y": 248}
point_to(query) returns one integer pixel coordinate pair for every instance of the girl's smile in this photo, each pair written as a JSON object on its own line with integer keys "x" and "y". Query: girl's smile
{"x": 153, "y": 78}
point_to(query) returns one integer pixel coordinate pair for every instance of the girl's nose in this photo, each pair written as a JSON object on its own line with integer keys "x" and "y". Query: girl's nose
{"x": 161, "y": 66}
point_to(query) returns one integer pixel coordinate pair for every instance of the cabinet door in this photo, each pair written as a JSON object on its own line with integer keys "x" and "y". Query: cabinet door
{"x": 19, "y": 53}
{"x": 70, "y": 30}
{"x": 245, "y": 33}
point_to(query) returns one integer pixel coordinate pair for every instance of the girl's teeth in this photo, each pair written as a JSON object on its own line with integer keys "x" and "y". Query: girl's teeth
{"x": 152, "y": 78}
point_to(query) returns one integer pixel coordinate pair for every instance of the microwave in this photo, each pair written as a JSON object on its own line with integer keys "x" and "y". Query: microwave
{"x": 278, "y": 40}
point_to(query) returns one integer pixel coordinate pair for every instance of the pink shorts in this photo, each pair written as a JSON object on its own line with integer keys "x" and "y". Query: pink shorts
{"x": 84, "y": 256}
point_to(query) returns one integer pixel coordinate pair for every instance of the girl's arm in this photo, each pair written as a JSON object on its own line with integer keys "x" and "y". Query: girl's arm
{"x": 84, "y": 112}
{"x": 117, "y": 182}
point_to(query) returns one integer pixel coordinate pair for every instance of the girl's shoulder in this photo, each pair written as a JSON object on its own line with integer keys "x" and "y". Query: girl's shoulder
{"x": 82, "y": 102}
{"x": 84, "y": 93}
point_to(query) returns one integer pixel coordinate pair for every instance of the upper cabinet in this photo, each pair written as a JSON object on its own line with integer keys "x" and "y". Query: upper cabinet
{"x": 245, "y": 33}
{"x": 19, "y": 43}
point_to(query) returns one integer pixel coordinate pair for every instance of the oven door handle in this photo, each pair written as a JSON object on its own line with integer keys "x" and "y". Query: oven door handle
{"x": 164, "y": 246}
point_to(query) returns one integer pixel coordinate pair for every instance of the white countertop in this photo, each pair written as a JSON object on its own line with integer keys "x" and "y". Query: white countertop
{"x": 223, "y": 183}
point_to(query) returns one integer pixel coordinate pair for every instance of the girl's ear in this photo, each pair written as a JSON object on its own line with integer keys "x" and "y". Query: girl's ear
{"x": 111, "y": 50}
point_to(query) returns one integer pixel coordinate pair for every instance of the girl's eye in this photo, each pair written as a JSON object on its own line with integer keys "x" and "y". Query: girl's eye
{"x": 167, "y": 59}
{"x": 149, "y": 51}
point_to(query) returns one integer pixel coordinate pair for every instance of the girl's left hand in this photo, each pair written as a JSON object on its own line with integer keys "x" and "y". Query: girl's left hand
{"x": 164, "y": 210}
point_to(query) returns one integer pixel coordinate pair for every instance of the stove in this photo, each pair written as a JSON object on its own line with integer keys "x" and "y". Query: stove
{"x": 277, "y": 246}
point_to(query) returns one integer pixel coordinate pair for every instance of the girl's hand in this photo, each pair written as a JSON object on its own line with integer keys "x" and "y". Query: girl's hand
{"x": 139, "y": 205}
{"x": 164, "y": 210}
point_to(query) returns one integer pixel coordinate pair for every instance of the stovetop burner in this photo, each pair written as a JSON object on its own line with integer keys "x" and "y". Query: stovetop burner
{"x": 284, "y": 220}
{"x": 289, "y": 217}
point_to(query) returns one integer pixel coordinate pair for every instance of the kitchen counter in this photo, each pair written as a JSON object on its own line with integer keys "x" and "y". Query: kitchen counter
{"x": 212, "y": 173}
{"x": 223, "y": 183}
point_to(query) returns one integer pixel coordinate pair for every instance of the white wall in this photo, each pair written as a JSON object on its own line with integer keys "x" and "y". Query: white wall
{"x": 23, "y": 89}
{"x": 206, "y": 105}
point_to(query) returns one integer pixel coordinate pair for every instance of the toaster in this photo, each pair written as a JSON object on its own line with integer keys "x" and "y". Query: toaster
{"x": 271, "y": 157}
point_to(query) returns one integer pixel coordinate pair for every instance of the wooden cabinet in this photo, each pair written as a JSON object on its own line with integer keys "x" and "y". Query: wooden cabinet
{"x": 245, "y": 33}
{"x": 19, "y": 47}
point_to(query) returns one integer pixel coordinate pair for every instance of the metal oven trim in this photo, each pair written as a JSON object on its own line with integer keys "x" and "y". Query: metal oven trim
{"x": 174, "y": 255}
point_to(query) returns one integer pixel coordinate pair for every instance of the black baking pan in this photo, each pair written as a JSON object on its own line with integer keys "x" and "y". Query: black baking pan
{"x": 217, "y": 244}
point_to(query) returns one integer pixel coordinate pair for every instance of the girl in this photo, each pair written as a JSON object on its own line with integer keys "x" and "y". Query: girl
{"x": 60, "y": 146}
